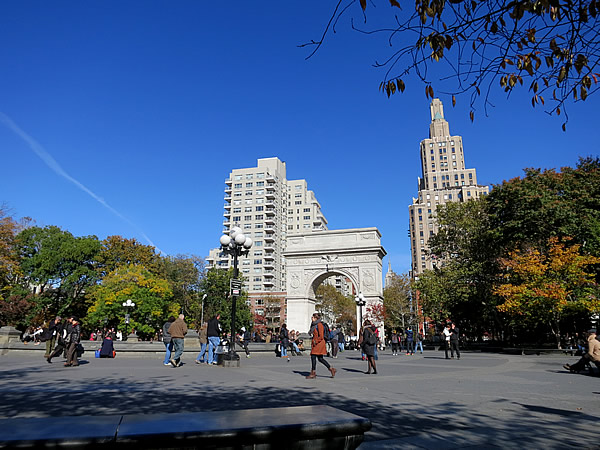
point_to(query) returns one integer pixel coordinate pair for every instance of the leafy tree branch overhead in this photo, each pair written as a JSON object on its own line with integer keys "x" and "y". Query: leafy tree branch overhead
{"x": 547, "y": 48}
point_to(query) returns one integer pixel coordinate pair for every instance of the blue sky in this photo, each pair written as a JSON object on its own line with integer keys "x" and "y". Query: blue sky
{"x": 150, "y": 104}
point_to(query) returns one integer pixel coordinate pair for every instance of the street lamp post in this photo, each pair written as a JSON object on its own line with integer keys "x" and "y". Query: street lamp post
{"x": 360, "y": 302}
{"x": 235, "y": 244}
{"x": 128, "y": 304}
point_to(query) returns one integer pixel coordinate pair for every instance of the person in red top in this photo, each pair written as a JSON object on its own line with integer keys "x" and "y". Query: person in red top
{"x": 319, "y": 346}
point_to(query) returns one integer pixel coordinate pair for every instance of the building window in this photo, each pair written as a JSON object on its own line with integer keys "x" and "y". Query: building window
{"x": 237, "y": 194}
{"x": 258, "y": 243}
{"x": 306, "y": 217}
{"x": 248, "y": 202}
{"x": 258, "y": 225}
{"x": 260, "y": 183}
{"x": 236, "y": 218}
{"x": 248, "y": 176}
{"x": 237, "y": 210}
{"x": 258, "y": 261}
{"x": 258, "y": 217}
{"x": 306, "y": 209}
{"x": 237, "y": 177}
{"x": 237, "y": 186}
{"x": 260, "y": 208}
{"x": 258, "y": 253}
{"x": 298, "y": 202}
{"x": 298, "y": 187}
{"x": 260, "y": 191}
{"x": 248, "y": 209}
{"x": 247, "y": 226}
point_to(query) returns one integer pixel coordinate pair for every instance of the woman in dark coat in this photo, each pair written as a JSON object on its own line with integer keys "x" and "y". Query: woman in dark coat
{"x": 107, "y": 348}
{"x": 368, "y": 341}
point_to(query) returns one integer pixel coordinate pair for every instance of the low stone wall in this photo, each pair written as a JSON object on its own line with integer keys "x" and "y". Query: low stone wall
{"x": 10, "y": 343}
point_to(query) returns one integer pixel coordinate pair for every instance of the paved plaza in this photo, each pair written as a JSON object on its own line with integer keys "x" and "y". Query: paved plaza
{"x": 424, "y": 401}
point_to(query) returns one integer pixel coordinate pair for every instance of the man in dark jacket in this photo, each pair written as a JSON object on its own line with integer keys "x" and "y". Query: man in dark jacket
{"x": 62, "y": 329}
{"x": 454, "y": 342}
{"x": 73, "y": 339}
{"x": 213, "y": 332}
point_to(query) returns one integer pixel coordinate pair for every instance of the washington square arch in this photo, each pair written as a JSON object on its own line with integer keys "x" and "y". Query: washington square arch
{"x": 311, "y": 258}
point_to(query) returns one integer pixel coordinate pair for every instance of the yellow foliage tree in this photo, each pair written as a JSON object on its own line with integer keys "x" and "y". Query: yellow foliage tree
{"x": 541, "y": 285}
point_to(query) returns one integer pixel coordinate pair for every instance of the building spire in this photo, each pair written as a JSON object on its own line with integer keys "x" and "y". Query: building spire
{"x": 439, "y": 127}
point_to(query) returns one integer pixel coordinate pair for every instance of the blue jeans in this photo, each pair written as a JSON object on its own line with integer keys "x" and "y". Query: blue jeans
{"x": 178, "y": 348}
{"x": 376, "y": 357}
{"x": 202, "y": 352}
{"x": 341, "y": 345}
{"x": 417, "y": 345}
{"x": 296, "y": 349}
{"x": 169, "y": 349}
{"x": 283, "y": 350}
{"x": 213, "y": 343}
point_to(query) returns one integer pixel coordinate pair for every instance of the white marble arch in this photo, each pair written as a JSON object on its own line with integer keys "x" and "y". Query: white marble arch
{"x": 310, "y": 258}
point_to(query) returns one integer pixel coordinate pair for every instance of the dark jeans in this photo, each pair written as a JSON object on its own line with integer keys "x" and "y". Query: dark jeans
{"x": 580, "y": 365}
{"x": 395, "y": 347}
{"x": 410, "y": 347}
{"x": 313, "y": 361}
{"x": 60, "y": 348}
{"x": 453, "y": 347}
{"x": 245, "y": 347}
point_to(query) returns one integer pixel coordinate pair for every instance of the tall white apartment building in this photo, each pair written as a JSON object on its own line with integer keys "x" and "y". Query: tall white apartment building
{"x": 267, "y": 207}
{"x": 444, "y": 179}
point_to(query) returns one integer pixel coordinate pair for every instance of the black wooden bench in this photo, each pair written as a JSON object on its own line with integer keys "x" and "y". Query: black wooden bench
{"x": 296, "y": 427}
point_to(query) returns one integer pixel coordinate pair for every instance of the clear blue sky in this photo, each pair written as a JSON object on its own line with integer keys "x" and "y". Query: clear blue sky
{"x": 150, "y": 104}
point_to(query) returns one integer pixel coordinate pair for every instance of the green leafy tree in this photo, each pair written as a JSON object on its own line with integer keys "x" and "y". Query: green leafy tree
{"x": 118, "y": 251}
{"x": 397, "y": 302}
{"x": 528, "y": 211}
{"x": 59, "y": 265}
{"x": 215, "y": 285}
{"x": 334, "y": 306}
{"x": 473, "y": 47}
{"x": 184, "y": 274}
{"x": 152, "y": 297}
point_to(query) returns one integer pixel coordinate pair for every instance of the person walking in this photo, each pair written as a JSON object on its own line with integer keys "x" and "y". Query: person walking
{"x": 51, "y": 336}
{"x": 410, "y": 343}
{"x": 592, "y": 355}
{"x": 368, "y": 342}
{"x": 335, "y": 339}
{"x": 284, "y": 340}
{"x": 203, "y": 338}
{"x": 341, "y": 341}
{"x": 213, "y": 332}
{"x": 62, "y": 330}
{"x": 318, "y": 347}
{"x": 245, "y": 340}
{"x": 454, "y": 340}
{"x": 177, "y": 330}
{"x": 167, "y": 340}
{"x": 73, "y": 339}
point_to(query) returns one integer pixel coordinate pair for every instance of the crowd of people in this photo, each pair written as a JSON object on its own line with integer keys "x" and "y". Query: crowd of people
{"x": 63, "y": 337}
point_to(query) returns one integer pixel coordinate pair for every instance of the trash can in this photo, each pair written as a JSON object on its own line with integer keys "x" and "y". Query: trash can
{"x": 221, "y": 350}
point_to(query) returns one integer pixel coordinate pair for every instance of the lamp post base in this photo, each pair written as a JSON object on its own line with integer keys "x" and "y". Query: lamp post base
{"x": 231, "y": 359}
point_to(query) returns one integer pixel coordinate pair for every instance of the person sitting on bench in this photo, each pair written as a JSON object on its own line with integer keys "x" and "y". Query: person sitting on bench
{"x": 593, "y": 354}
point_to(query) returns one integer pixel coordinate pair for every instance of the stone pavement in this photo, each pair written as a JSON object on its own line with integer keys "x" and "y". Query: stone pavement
{"x": 422, "y": 401}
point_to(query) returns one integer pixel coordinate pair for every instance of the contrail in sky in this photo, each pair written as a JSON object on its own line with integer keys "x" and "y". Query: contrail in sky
{"x": 55, "y": 166}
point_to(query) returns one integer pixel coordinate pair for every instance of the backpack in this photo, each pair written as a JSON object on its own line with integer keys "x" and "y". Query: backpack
{"x": 372, "y": 338}
{"x": 326, "y": 332}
